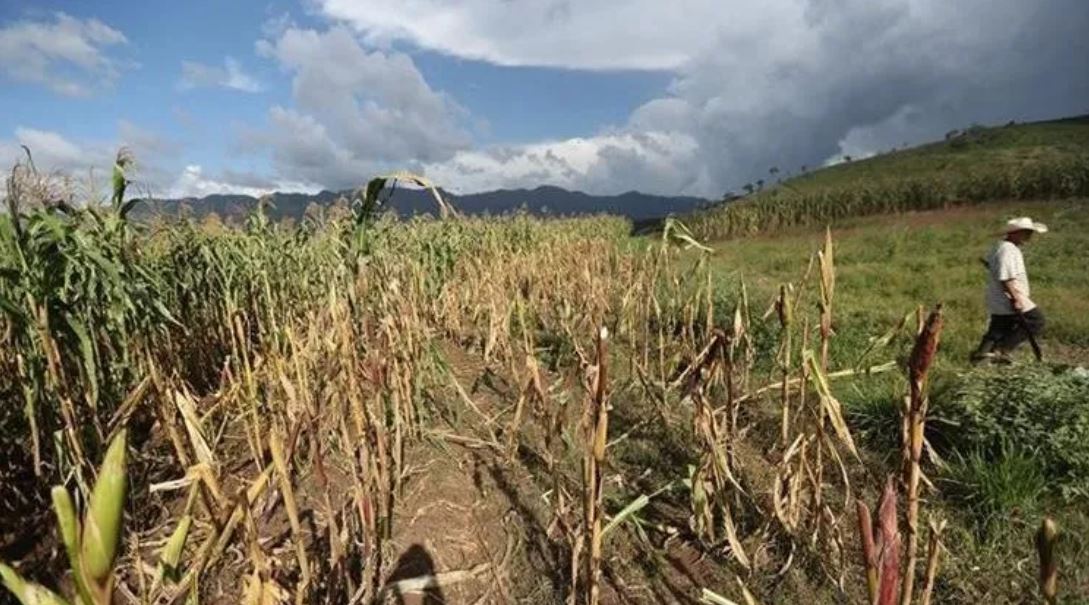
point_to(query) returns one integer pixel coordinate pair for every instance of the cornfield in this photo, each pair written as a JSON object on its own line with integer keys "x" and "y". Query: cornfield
{"x": 274, "y": 388}
{"x": 784, "y": 207}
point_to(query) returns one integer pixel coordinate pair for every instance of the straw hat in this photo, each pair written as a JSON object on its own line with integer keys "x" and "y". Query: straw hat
{"x": 1024, "y": 223}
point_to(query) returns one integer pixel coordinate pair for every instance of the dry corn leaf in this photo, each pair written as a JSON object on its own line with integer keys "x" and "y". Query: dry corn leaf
{"x": 830, "y": 404}
{"x": 263, "y": 592}
{"x": 193, "y": 428}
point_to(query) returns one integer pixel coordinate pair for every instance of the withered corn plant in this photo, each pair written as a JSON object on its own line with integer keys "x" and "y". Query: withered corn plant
{"x": 712, "y": 481}
{"x": 813, "y": 428}
{"x": 888, "y": 580}
{"x": 933, "y": 556}
{"x": 784, "y": 309}
{"x": 596, "y": 423}
{"x": 284, "y": 378}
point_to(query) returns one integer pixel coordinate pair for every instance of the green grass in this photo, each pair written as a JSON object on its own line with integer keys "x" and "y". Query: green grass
{"x": 989, "y": 489}
{"x": 888, "y": 265}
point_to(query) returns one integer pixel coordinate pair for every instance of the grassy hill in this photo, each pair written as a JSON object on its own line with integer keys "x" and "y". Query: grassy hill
{"x": 962, "y": 154}
{"x": 1042, "y": 160}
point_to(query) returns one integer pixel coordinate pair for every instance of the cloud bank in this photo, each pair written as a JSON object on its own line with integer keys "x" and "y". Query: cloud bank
{"x": 779, "y": 83}
{"x": 782, "y": 83}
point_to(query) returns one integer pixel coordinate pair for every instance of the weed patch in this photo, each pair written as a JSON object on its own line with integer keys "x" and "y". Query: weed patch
{"x": 1030, "y": 406}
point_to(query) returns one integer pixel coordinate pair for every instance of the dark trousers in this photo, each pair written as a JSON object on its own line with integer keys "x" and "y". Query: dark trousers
{"x": 1006, "y": 332}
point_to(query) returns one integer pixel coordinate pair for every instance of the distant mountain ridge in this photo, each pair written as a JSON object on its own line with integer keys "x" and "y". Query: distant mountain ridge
{"x": 543, "y": 200}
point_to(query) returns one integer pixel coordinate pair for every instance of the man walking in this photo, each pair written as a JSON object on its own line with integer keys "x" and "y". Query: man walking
{"x": 1014, "y": 317}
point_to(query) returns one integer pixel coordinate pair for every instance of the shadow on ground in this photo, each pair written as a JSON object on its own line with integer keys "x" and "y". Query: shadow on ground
{"x": 416, "y": 562}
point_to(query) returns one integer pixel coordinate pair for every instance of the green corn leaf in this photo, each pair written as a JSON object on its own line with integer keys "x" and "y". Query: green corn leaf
{"x": 87, "y": 352}
{"x": 102, "y": 526}
{"x": 109, "y": 267}
{"x": 633, "y": 507}
{"x": 14, "y": 313}
{"x": 120, "y": 183}
{"x": 28, "y": 593}
{"x": 69, "y": 531}
{"x": 66, "y": 519}
{"x": 165, "y": 313}
{"x": 171, "y": 553}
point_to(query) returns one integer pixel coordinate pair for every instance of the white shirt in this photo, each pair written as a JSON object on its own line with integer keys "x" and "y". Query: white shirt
{"x": 1004, "y": 263}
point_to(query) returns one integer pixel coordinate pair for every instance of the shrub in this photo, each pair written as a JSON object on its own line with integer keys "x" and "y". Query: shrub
{"x": 1032, "y": 406}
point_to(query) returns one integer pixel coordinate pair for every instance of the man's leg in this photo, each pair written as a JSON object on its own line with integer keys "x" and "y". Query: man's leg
{"x": 991, "y": 338}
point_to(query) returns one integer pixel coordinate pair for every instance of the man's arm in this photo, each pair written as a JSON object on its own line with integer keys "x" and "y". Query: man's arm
{"x": 1015, "y": 295}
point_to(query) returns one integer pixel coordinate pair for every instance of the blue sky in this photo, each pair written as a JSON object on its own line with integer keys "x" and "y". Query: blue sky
{"x": 599, "y": 95}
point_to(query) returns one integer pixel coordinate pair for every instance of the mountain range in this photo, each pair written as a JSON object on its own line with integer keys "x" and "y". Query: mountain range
{"x": 544, "y": 200}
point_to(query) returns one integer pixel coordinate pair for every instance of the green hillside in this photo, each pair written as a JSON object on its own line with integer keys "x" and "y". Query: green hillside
{"x": 965, "y": 152}
{"x": 1041, "y": 160}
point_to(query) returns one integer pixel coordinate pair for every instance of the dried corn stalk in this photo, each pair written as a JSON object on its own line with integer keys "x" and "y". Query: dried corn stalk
{"x": 598, "y": 427}
{"x": 922, "y": 358}
{"x": 1046, "y": 538}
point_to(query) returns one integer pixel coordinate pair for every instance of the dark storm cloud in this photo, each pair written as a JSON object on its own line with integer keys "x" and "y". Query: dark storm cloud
{"x": 878, "y": 74}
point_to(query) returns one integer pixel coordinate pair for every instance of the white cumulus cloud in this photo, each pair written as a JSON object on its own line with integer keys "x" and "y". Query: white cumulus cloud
{"x": 66, "y": 54}
{"x": 159, "y": 169}
{"x": 582, "y": 34}
{"x": 603, "y": 164}
{"x": 355, "y": 111}
{"x": 79, "y": 169}
{"x": 52, "y": 152}
{"x": 194, "y": 182}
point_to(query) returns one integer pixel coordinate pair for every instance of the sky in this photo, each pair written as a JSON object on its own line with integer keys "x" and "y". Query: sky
{"x": 692, "y": 97}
